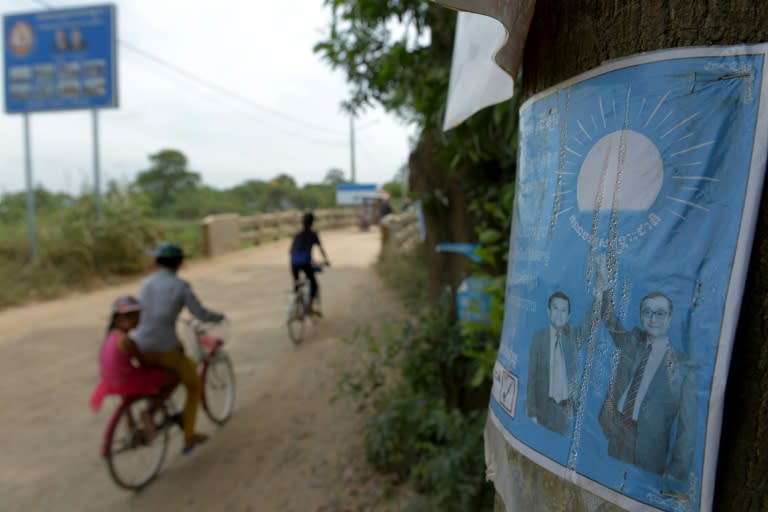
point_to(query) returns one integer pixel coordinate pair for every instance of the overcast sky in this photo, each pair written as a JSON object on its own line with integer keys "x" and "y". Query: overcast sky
{"x": 261, "y": 50}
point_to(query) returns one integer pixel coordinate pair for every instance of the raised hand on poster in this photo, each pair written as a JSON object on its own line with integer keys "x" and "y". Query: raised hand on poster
{"x": 603, "y": 283}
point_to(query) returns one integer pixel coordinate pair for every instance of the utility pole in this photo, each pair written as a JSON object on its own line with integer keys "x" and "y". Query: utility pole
{"x": 352, "y": 147}
{"x": 96, "y": 164}
{"x": 30, "y": 192}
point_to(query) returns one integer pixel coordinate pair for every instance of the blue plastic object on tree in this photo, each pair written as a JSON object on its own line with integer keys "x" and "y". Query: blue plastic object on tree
{"x": 420, "y": 220}
{"x": 473, "y": 303}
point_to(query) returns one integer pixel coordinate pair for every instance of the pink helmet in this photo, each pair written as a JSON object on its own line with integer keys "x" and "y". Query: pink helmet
{"x": 126, "y": 304}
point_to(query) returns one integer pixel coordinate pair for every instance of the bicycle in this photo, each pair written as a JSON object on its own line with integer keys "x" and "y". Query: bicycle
{"x": 298, "y": 304}
{"x": 125, "y": 445}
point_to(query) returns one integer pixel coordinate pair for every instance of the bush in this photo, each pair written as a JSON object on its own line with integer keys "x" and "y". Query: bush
{"x": 185, "y": 232}
{"x": 405, "y": 274}
{"x": 77, "y": 247}
{"x": 85, "y": 243}
{"x": 422, "y": 428}
{"x": 452, "y": 468}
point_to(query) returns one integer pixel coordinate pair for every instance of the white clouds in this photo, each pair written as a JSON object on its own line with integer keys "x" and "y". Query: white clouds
{"x": 261, "y": 50}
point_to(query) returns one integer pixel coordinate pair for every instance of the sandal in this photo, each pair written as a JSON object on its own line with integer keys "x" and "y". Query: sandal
{"x": 190, "y": 445}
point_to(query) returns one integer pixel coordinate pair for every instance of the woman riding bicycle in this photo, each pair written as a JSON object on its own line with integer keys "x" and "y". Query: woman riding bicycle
{"x": 163, "y": 295}
{"x": 301, "y": 257}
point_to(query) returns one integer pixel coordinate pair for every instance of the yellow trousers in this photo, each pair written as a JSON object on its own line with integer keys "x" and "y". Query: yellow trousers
{"x": 176, "y": 361}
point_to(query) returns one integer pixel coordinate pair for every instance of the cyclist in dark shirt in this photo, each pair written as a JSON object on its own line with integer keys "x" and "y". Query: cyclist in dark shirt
{"x": 301, "y": 256}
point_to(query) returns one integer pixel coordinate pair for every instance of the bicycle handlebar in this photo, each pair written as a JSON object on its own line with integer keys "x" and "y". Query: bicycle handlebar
{"x": 199, "y": 326}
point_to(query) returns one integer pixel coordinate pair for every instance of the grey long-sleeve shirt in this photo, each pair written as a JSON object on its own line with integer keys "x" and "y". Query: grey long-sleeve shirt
{"x": 162, "y": 296}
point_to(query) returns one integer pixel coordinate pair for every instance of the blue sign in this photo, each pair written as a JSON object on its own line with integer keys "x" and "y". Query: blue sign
{"x": 60, "y": 59}
{"x": 466, "y": 249}
{"x": 354, "y": 193}
{"x": 419, "y": 207}
{"x": 473, "y": 302}
{"x": 637, "y": 195}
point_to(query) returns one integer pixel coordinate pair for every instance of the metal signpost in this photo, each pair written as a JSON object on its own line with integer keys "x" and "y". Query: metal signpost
{"x": 63, "y": 59}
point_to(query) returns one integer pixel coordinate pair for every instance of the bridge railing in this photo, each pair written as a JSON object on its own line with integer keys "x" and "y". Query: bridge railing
{"x": 228, "y": 232}
{"x": 400, "y": 232}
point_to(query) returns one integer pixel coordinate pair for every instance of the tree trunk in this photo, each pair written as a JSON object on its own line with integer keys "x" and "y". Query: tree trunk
{"x": 445, "y": 215}
{"x": 568, "y": 37}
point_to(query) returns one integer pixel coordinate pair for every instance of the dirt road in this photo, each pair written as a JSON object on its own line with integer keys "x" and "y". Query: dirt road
{"x": 285, "y": 448}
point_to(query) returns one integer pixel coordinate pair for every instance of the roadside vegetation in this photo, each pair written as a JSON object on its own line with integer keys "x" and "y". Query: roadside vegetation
{"x": 425, "y": 385}
{"x": 79, "y": 248}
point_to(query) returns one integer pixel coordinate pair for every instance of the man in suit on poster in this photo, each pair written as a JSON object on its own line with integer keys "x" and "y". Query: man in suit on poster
{"x": 553, "y": 366}
{"x": 649, "y": 412}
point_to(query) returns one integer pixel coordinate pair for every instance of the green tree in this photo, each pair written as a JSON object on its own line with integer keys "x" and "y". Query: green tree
{"x": 317, "y": 195}
{"x": 202, "y": 201}
{"x": 167, "y": 179}
{"x": 334, "y": 177}
{"x": 13, "y": 207}
{"x": 284, "y": 180}
{"x": 394, "y": 188}
{"x": 398, "y": 54}
{"x": 251, "y": 195}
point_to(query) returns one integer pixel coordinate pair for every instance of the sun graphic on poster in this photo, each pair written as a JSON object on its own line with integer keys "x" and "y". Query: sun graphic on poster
{"x": 642, "y": 163}
{"x": 21, "y": 38}
{"x": 623, "y": 170}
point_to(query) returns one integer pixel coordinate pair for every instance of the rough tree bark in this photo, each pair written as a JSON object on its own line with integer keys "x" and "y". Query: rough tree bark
{"x": 568, "y": 37}
{"x": 444, "y": 198}
{"x": 445, "y": 214}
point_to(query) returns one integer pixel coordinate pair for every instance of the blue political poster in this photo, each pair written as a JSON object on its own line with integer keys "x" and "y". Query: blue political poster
{"x": 60, "y": 59}
{"x": 638, "y": 189}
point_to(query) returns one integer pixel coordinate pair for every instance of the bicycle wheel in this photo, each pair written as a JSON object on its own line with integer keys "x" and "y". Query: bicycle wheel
{"x": 218, "y": 387}
{"x": 296, "y": 320}
{"x": 132, "y": 459}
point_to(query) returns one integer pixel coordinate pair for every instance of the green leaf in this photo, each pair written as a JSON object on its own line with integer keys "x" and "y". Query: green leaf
{"x": 489, "y": 236}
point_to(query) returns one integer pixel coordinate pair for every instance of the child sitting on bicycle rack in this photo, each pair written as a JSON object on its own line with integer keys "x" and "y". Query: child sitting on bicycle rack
{"x": 301, "y": 257}
{"x": 119, "y": 374}
{"x": 163, "y": 295}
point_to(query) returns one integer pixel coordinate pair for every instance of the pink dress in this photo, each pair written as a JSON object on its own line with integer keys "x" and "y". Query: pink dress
{"x": 119, "y": 376}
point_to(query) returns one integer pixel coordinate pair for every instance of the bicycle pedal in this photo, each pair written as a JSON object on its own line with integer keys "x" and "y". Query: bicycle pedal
{"x": 177, "y": 419}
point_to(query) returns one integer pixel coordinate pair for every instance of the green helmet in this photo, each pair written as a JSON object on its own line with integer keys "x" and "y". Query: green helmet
{"x": 167, "y": 249}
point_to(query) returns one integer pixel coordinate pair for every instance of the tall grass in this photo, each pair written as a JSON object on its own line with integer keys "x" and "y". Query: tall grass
{"x": 79, "y": 247}
{"x": 406, "y": 275}
{"x": 185, "y": 232}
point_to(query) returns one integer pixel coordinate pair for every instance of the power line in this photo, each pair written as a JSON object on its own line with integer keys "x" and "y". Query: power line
{"x": 219, "y": 100}
{"x": 209, "y": 84}
{"x": 371, "y": 158}
{"x": 218, "y": 88}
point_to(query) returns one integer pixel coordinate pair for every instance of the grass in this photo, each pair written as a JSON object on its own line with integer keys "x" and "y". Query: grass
{"x": 405, "y": 274}
{"x": 79, "y": 251}
{"x": 185, "y": 232}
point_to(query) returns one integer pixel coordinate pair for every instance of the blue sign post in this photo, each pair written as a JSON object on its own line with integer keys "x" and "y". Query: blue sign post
{"x": 60, "y": 59}
{"x": 54, "y": 60}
